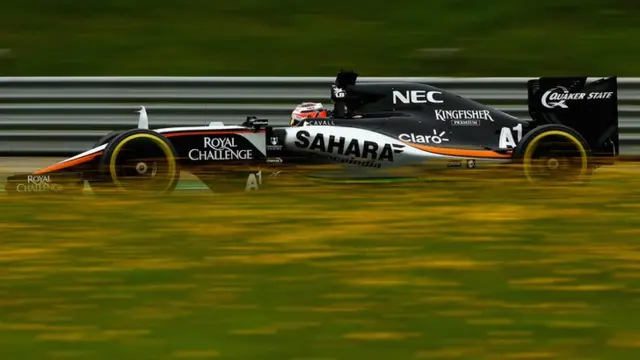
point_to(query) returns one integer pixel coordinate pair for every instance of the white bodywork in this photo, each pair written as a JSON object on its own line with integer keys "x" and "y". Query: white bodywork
{"x": 143, "y": 123}
{"x": 402, "y": 153}
{"x": 390, "y": 153}
{"x": 405, "y": 153}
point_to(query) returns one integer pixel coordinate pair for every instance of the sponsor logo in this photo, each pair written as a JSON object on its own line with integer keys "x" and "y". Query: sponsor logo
{"x": 465, "y": 122}
{"x": 260, "y": 122}
{"x": 435, "y": 138}
{"x": 338, "y": 92}
{"x": 38, "y": 183}
{"x": 274, "y": 160}
{"x": 353, "y": 149}
{"x": 463, "y": 117}
{"x": 416, "y": 97}
{"x": 273, "y": 144}
{"x": 220, "y": 148}
{"x": 318, "y": 122}
{"x": 356, "y": 162}
{"x": 557, "y": 97}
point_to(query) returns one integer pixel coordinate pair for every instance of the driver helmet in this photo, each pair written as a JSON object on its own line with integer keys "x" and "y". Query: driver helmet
{"x": 308, "y": 110}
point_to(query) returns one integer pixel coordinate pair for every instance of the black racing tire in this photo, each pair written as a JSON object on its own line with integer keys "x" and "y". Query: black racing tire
{"x": 554, "y": 155}
{"x": 139, "y": 160}
{"x": 98, "y": 182}
{"x": 106, "y": 138}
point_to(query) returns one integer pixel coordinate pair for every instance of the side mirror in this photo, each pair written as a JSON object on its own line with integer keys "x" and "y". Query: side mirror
{"x": 255, "y": 123}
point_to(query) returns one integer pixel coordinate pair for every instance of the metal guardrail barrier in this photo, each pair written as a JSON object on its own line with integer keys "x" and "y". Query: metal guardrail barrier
{"x": 61, "y": 116}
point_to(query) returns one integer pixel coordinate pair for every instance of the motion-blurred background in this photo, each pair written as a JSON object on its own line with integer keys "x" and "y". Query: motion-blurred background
{"x": 297, "y": 37}
{"x": 464, "y": 270}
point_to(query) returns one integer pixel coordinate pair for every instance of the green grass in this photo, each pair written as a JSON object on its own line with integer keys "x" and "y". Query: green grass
{"x": 295, "y": 37}
{"x": 474, "y": 270}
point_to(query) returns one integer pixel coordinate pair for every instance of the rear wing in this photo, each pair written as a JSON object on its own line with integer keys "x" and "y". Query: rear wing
{"x": 589, "y": 108}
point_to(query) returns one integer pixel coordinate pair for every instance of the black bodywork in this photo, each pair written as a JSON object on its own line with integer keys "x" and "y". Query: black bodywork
{"x": 596, "y": 119}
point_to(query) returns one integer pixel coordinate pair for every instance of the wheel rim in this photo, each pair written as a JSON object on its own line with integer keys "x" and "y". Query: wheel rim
{"x": 143, "y": 162}
{"x": 555, "y": 156}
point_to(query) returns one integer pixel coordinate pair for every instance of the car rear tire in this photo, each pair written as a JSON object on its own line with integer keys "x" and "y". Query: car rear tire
{"x": 140, "y": 161}
{"x": 554, "y": 155}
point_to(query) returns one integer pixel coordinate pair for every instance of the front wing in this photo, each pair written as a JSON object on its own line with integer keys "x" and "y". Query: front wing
{"x": 53, "y": 183}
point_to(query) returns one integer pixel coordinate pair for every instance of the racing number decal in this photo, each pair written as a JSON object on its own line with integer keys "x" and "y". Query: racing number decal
{"x": 254, "y": 181}
{"x": 507, "y": 139}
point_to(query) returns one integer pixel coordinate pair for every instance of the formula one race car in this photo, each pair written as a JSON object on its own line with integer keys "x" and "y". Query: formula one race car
{"x": 375, "y": 130}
